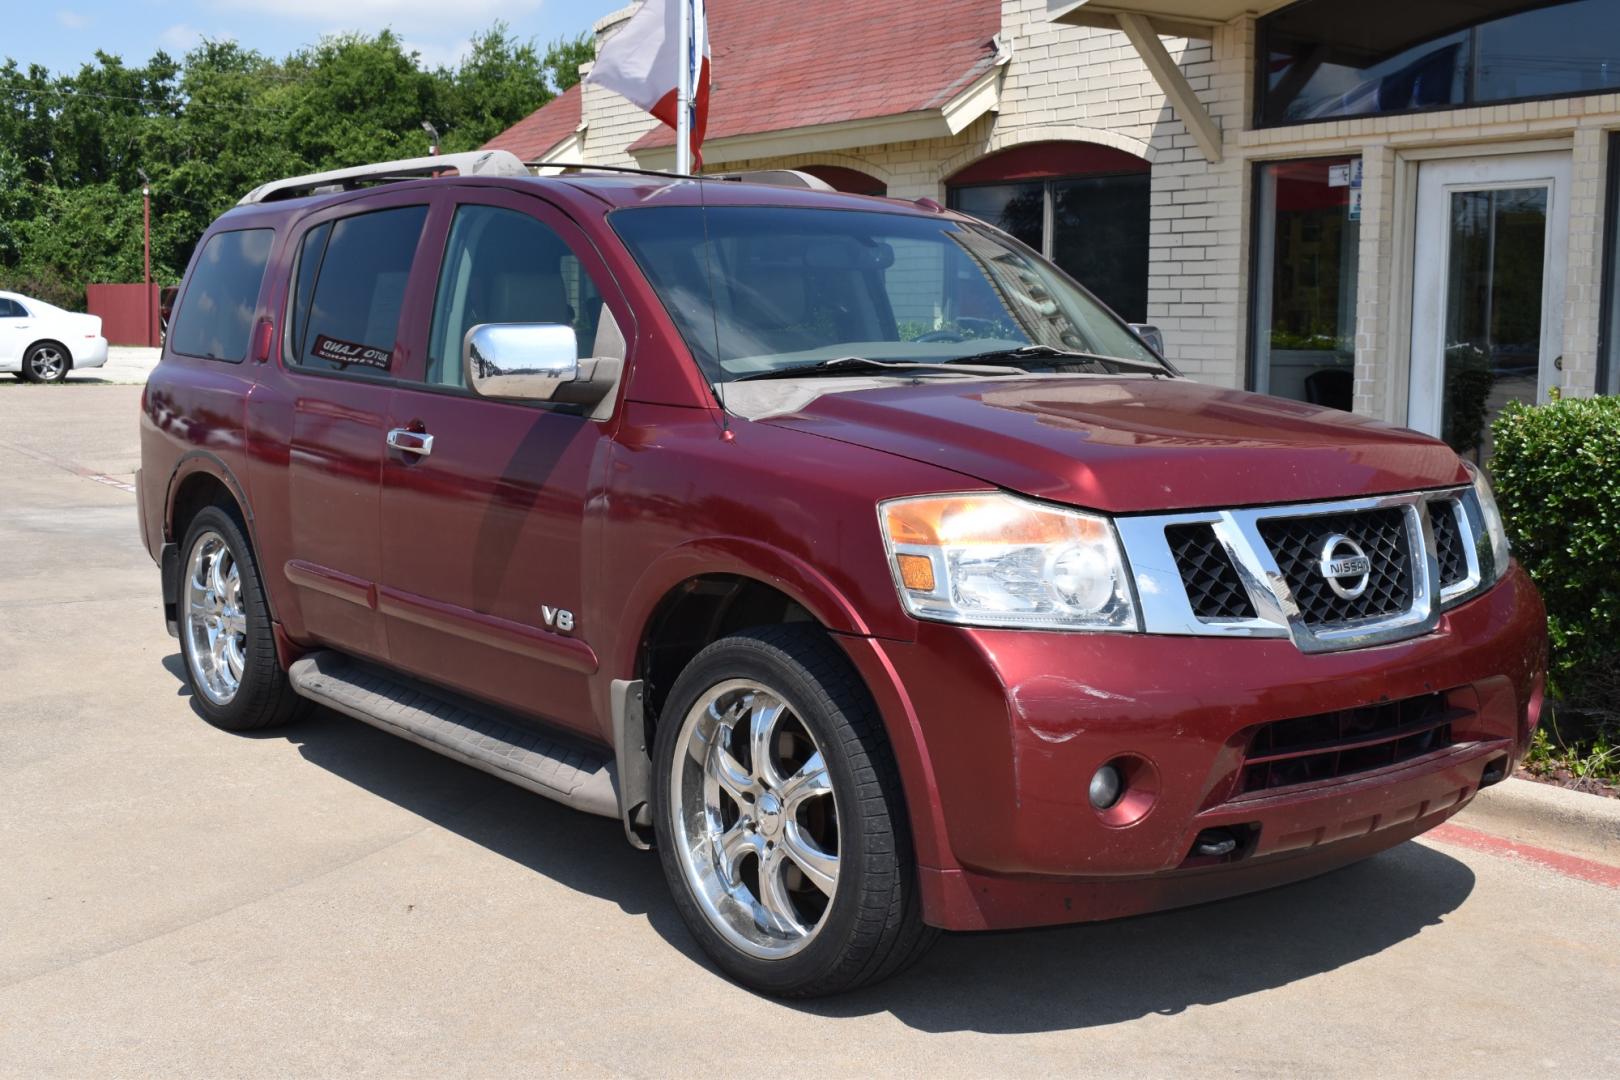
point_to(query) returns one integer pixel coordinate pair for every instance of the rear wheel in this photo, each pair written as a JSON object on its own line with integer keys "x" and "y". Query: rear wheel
{"x": 780, "y": 823}
{"x": 225, "y": 632}
{"x": 46, "y": 362}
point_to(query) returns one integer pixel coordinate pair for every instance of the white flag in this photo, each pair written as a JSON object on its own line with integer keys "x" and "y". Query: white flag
{"x": 642, "y": 62}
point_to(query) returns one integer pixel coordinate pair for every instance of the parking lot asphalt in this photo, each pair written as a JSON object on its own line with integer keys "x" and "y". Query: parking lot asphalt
{"x": 326, "y": 900}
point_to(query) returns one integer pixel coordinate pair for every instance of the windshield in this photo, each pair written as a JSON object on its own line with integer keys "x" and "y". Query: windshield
{"x": 759, "y": 289}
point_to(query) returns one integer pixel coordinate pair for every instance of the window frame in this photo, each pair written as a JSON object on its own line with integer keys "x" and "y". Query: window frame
{"x": 258, "y": 300}
{"x": 1262, "y": 46}
{"x": 1608, "y": 342}
{"x": 370, "y": 204}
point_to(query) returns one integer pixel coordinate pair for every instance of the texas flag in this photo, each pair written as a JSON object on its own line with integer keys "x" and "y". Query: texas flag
{"x": 642, "y": 62}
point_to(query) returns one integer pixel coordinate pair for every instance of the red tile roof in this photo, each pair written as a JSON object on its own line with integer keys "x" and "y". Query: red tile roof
{"x": 784, "y": 64}
{"x": 542, "y": 129}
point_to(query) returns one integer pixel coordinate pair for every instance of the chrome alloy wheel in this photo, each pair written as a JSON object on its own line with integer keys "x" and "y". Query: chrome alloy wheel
{"x": 47, "y": 363}
{"x": 216, "y": 625}
{"x": 755, "y": 819}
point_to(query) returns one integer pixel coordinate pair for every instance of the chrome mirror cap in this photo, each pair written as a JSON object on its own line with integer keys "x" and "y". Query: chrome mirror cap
{"x": 520, "y": 361}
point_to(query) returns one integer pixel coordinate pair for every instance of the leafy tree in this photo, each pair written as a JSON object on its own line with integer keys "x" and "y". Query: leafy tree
{"x": 563, "y": 58}
{"x": 211, "y": 126}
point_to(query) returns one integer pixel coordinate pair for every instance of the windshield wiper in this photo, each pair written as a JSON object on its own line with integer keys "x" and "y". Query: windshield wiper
{"x": 854, "y": 365}
{"x": 1050, "y": 352}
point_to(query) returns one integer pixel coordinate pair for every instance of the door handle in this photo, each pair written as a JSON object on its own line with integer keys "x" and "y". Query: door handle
{"x": 411, "y": 442}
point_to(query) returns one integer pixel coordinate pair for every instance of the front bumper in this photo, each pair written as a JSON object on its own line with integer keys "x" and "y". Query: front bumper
{"x": 1015, "y": 723}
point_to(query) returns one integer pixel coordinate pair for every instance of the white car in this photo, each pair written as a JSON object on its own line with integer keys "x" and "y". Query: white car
{"x": 40, "y": 342}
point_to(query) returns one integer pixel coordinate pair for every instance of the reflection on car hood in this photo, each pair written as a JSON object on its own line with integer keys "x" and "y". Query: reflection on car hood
{"x": 1125, "y": 444}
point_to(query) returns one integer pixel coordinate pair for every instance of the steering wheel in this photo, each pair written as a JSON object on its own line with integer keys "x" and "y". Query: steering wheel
{"x": 941, "y": 335}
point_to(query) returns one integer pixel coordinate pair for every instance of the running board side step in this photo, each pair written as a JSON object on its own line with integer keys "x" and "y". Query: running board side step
{"x": 475, "y": 734}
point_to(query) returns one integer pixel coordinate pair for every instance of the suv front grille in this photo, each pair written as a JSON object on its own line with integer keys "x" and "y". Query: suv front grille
{"x": 1213, "y": 586}
{"x": 1448, "y": 542}
{"x": 1310, "y": 749}
{"x": 1297, "y": 543}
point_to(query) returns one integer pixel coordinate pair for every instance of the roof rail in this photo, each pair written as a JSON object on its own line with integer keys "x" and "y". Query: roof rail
{"x": 471, "y": 163}
{"x": 778, "y": 177}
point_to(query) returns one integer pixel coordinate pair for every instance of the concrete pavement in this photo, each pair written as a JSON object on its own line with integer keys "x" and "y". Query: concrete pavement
{"x": 326, "y": 900}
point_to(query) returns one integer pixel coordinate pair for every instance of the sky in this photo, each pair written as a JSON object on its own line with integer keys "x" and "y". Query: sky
{"x": 64, "y": 35}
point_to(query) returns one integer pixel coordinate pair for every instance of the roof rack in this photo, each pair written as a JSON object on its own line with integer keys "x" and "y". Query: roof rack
{"x": 471, "y": 163}
{"x": 777, "y": 177}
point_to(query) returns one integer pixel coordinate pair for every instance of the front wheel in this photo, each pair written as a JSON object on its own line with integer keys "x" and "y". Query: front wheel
{"x": 780, "y": 823}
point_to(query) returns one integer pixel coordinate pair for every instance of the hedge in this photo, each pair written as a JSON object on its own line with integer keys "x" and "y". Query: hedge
{"x": 1556, "y": 470}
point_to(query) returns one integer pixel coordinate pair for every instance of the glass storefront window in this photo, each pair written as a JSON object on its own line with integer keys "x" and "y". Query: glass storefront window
{"x": 1328, "y": 59}
{"x": 1094, "y": 227}
{"x": 1084, "y": 206}
{"x": 1308, "y": 233}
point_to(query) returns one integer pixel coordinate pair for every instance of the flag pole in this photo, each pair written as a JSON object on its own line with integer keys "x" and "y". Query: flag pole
{"x": 683, "y": 94}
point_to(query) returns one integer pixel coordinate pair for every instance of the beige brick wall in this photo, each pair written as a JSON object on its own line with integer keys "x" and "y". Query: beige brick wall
{"x": 1087, "y": 84}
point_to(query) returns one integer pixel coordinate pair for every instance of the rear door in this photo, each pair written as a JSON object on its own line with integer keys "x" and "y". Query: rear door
{"x": 484, "y": 531}
{"x": 342, "y": 352}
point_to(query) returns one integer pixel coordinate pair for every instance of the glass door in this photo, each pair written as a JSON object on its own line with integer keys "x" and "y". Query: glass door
{"x": 1488, "y": 291}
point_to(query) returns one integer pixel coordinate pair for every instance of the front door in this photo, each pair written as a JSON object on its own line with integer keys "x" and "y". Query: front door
{"x": 13, "y": 328}
{"x": 1488, "y": 291}
{"x": 484, "y": 542}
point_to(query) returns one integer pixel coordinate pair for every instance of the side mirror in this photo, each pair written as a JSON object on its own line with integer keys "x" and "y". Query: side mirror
{"x": 520, "y": 361}
{"x": 1151, "y": 336}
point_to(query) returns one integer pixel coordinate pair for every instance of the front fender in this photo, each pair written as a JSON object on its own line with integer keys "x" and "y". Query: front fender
{"x": 747, "y": 558}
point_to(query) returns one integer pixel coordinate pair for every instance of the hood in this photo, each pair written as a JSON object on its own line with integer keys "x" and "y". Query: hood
{"x": 1132, "y": 444}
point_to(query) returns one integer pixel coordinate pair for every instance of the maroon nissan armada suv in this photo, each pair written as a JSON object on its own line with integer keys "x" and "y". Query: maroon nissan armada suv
{"x": 855, "y": 558}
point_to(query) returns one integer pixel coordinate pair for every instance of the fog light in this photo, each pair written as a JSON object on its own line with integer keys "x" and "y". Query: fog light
{"x": 1105, "y": 787}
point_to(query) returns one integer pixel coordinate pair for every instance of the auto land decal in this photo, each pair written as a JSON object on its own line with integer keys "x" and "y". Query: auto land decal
{"x": 349, "y": 352}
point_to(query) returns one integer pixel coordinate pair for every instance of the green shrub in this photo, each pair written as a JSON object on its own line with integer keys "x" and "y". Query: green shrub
{"x": 1556, "y": 469}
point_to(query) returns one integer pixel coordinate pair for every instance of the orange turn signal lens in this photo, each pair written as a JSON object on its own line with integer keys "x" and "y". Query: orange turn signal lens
{"x": 960, "y": 520}
{"x": 916, "y": 572}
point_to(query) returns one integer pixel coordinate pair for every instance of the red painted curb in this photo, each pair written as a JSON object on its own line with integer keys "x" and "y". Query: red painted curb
{"x": 1569, "y": 865}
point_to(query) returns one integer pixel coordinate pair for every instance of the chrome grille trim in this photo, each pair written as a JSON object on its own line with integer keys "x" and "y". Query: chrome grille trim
{"x": 1165, "y": 608}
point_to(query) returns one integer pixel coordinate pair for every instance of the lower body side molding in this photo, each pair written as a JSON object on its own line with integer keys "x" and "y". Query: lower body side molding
{"x": 475, "y": 734}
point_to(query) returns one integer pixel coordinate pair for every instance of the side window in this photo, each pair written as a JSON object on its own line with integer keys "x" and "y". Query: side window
{"x": 502, "y": 266}
{"x": 351, "y": 286}
{"x": 10, "y": 309}
{"x": 215, "y": 318}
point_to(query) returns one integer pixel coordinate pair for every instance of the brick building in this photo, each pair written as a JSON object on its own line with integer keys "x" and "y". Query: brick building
{"x": 1403, "y": 208}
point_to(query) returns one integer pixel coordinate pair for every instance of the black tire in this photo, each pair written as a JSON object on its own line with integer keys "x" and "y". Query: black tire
{"x": 873, "y": 925}
{"x": 35, "y": 351}
{"x": 264, "y": 697}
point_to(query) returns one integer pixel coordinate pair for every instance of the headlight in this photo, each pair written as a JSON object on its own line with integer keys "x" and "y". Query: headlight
{"x": 998, "y": 560}
{"x": 1495, "y": 531}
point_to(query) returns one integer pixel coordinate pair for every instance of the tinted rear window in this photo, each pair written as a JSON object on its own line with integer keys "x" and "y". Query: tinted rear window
{"x": 351, "y": 287}
{"x": 215, "y": 318}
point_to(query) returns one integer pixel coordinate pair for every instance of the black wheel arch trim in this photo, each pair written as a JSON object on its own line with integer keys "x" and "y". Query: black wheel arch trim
{"x": 215, "y": 467}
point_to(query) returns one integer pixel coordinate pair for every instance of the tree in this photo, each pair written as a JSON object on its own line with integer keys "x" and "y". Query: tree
{"x": 563, "y": 58}
{"x": 218, "y": 122}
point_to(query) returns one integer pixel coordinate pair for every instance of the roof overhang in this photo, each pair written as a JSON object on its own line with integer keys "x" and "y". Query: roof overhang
{"x": 979, "y": 97}
{"x": 1144, "y": 22}
{"x": 570, "y": 150}
{"x": 1173, "y": 18}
